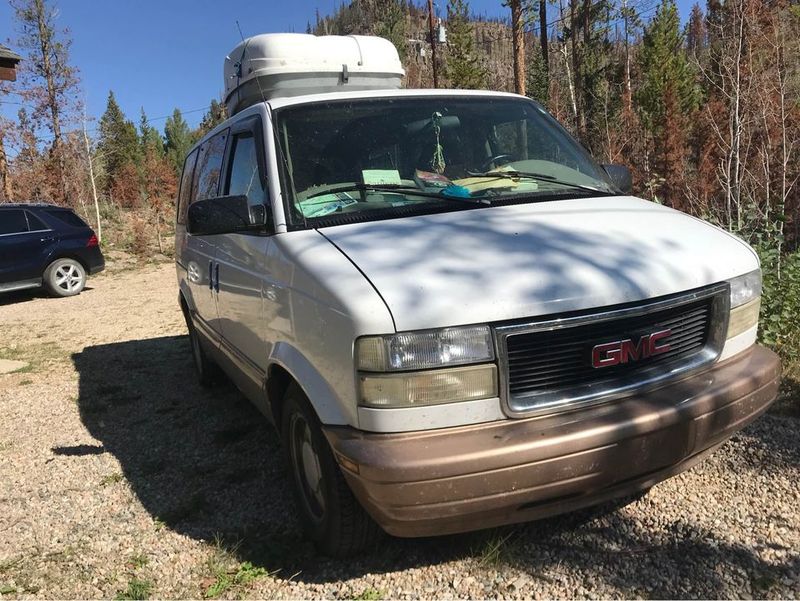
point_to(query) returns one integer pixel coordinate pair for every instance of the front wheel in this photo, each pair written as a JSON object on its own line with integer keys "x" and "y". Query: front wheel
{"x": 329, "y": 513}
{"x": 65, "y": 277}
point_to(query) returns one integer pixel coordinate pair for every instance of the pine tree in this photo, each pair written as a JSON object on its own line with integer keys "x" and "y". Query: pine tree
{"x": 463, "y": 68}
{"x": 696, "y": 31}
{"x": 118, "y": 144}
{"x": 664, "y": 66}
{"x": 149, "y": 136}
{"x": 667, "y": 98}
{"x": 392, "y": 25}
{"x": 178, "y": 140}
{"x": 537, "y": 78}
{"x": 217, "y": 113}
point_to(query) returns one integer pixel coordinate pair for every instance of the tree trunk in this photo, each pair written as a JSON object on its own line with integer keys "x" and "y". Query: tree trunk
{"x": 518, "y": 41}
{"x": 94, "y": 185}
{"x": 543, "y": 35}
{"x": 5, "y": 181}
{"x": 46, "y": 49}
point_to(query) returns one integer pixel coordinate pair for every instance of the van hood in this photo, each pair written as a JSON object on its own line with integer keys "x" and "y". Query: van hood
{"x": 530, "y": 260}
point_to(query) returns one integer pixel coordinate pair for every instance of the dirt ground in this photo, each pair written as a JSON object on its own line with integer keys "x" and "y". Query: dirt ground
{"x": 121, "y": 477}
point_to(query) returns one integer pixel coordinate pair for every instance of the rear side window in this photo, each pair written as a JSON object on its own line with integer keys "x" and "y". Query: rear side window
{"x": 209, "y": 167}
{"x": 12, "y": 221}
{"x": 184, "y": 195}
{"x": 36, "y": 224}
{"x": 67, "y": 217}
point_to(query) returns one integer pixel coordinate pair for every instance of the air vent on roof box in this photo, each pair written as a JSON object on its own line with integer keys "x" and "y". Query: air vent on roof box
{"x": 274, "y": 65}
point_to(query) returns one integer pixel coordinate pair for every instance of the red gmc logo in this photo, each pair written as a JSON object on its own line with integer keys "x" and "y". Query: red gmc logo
{"x": 624, "y": 351}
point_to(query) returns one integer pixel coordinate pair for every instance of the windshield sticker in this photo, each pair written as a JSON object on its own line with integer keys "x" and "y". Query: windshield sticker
{"x": 381, "y": 177}
{"x": 325, "y": 205}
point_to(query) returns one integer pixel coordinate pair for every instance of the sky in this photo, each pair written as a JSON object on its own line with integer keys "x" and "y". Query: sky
{"x": 167, "y": 54}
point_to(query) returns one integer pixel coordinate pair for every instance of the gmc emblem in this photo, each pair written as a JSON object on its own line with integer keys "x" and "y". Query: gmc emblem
{"x": 624, "y": 351}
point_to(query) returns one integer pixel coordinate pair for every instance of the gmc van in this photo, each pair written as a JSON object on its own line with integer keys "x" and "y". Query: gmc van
{"x": 454, "y": 316}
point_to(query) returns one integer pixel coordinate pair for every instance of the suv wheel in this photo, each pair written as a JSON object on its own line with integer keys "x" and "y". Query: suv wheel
{"x": 329, "y": 513}
{"x": 65, "y": 277}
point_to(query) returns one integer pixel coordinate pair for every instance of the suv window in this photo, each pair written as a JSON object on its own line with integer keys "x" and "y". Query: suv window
{"x": 67, "y": 217}
{"x": 245, "y": 178}
{"x": 186, "y": 186}
{"x": 12, "y": 221}
{"x": 35, "y": 223}
{"x": 209, "y": 166}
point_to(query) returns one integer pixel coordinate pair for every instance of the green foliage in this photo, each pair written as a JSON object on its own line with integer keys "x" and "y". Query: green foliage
{"x": 369, "y": 594}
{"x": 149, "y": 136}
{"x": 464, "y": 66}
{"x": 225, "y": 580}
{"x": 216, "y": 114}
{"x": 779, "y": 327}
{"x": 178, "y": 139}
{"x": 537, "y": 84}
{"x": 392, "y": 26}
{"x": 664, "y": 67}
{"x": 137, "y": 590}
{"x": 118, "y": 145}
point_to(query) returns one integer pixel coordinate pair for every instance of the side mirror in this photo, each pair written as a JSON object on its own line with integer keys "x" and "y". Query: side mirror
{"x": 621, "y": 177}
{"x": 225, "y": 215}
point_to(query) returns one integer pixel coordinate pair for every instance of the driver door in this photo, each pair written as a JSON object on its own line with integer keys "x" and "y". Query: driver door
{"x": 242, "y": 257}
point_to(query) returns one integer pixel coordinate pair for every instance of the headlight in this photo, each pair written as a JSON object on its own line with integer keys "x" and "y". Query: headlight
{"x": 432, "y": 387}
{"x": 745, "y": 302}
{"x": 745, "y": 288}
{"x": 425, "y": 350}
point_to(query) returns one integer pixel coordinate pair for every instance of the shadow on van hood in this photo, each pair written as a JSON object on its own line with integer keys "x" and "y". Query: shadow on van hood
{"x": 502, "y": 263}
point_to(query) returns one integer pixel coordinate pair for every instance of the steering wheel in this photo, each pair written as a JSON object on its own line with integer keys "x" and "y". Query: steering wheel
{"x": 492, "y": 161}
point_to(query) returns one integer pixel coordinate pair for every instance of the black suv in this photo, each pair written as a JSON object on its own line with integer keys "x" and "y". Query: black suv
{"x": 46, "y": 245}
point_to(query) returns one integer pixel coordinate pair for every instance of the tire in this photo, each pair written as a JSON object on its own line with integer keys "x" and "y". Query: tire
{"x": 208, "y": 372}
{"x": 329, "y": 513}
{"x": 64, "y": 277}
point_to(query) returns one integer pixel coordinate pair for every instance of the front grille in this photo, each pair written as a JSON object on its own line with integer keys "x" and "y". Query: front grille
{"x": 550, "y": 363}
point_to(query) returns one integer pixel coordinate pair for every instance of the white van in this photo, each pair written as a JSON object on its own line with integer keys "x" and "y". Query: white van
{"x": 455, "y": 317}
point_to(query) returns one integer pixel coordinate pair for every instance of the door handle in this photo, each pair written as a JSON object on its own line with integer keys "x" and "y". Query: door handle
{"x": 216, "y": 272}
{"x": 210, "y": 275}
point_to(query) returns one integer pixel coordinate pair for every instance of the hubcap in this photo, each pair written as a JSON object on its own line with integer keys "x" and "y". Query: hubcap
{"x": 68, "y": 277}
{"x": 307, "y": 468}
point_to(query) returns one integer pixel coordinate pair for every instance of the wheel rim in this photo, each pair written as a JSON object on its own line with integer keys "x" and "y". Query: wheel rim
{"x": 307, "y": 467}
{"x": 68, "y": 277}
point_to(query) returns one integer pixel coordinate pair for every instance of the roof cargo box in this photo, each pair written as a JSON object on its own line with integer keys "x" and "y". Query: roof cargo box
{"x": 273, "y": 65}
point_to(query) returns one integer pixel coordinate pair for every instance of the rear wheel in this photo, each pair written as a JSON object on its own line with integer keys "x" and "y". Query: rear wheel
{"x": 65, "y": 277}
{"x": 329, "y": 513}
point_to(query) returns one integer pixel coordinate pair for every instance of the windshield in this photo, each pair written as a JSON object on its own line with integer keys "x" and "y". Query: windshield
{"x": 355, "y": 160}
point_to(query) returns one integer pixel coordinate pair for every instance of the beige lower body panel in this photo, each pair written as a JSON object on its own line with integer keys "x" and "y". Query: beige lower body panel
{"x": 467, "y": 478}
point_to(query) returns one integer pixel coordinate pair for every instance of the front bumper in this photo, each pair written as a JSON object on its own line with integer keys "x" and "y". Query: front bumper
{"x": 516, "y": 470}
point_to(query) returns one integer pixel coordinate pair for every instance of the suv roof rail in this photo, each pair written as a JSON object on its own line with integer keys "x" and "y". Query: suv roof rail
{"x": 18, "y": 205}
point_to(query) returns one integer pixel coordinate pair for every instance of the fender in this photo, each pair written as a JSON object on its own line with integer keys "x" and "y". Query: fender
{"x": 316, "y": 388}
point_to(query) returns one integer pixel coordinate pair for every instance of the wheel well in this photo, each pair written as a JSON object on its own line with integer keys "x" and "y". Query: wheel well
{"x": 278, "y": 381}
{"x": 69, "y": 256}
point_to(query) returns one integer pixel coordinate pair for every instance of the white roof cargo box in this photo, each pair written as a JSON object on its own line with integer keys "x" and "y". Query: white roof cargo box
{"x": 272, "y": 65}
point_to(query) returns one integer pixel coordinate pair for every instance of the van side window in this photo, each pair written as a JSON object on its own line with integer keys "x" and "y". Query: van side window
{"x": 209, "y": 166}
{"x": 184, "y": 195}
{"x": 245, "y": 175}
{"x": 12, "y": 221}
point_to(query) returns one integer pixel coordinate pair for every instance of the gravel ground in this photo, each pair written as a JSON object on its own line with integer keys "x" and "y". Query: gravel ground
{"x": 119, "y": 476}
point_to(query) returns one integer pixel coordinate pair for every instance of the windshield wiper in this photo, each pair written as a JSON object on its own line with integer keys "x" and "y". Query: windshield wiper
{"x": 540, "y": 176}
{"x": 399, "y": 188}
